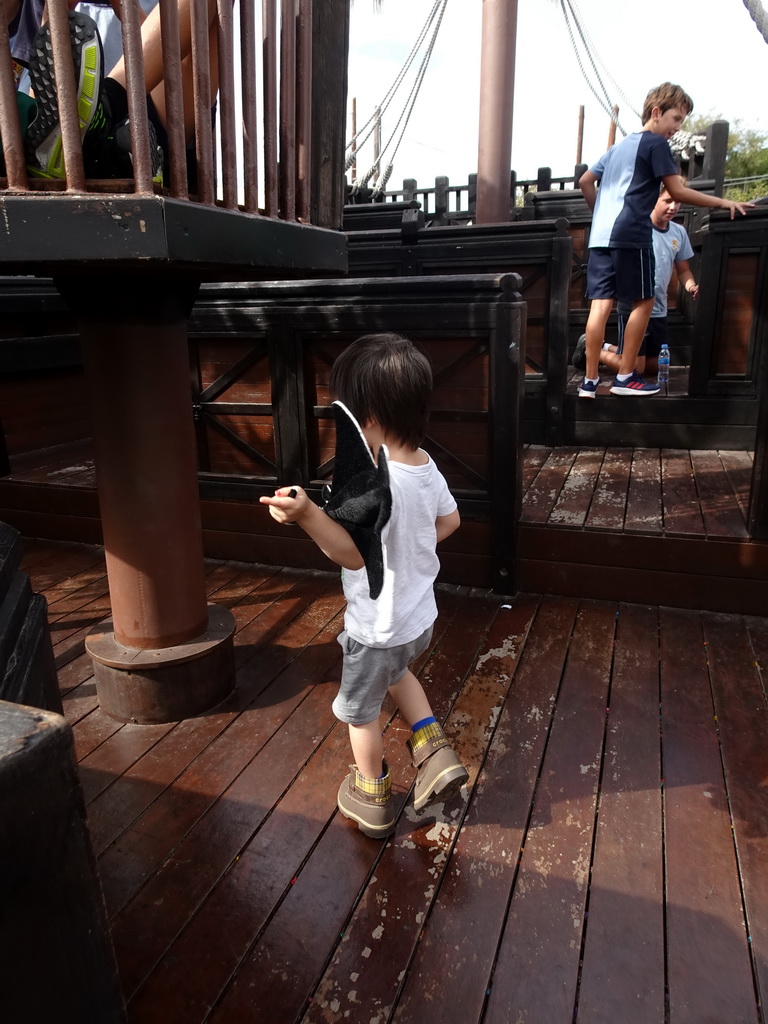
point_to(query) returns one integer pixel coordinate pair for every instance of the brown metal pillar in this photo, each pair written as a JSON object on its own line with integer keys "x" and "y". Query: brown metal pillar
{"x": 497, "y": 82}
{"x": 164, "y": 654}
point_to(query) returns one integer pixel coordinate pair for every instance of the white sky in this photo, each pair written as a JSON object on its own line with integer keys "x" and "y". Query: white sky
{"x": 712, "y": 48}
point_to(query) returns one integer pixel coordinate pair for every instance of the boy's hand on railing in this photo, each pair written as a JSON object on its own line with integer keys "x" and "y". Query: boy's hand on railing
{"x": 288, "y": 505}
{"x": 733, "y": 206}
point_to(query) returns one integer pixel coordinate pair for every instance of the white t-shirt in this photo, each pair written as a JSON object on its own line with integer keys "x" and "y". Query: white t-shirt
{"x": 406, "y": 605}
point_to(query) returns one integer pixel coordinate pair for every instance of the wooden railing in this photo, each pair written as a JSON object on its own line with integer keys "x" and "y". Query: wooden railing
{"x": 258, "y": 155}
{"x": 444, "y": 203}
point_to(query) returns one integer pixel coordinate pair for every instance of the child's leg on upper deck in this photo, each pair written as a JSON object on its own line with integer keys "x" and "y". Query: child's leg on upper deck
{"x": 634, "y": 332}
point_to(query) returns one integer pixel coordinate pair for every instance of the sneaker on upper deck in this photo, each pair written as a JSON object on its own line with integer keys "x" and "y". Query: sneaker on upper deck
{"x": 635, "y": 384}
{"x": 588, "y": 388}
{"x": 45, "y": 157}
{"x": 579, "y": 358}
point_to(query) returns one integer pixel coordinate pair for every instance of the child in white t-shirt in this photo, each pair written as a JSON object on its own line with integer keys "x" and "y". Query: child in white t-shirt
{"x": 386, "y": 383}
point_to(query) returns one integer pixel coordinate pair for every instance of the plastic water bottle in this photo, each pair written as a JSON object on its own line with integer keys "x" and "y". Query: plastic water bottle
{"x": 663, "y": 377}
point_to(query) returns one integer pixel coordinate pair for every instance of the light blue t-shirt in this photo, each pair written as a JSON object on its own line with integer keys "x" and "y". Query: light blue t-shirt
{"x": 669, "y": 245}
{"x": 630, "y": 174}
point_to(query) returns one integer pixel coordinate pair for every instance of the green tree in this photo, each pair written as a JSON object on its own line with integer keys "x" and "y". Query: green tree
{"x": 746, "y": 156}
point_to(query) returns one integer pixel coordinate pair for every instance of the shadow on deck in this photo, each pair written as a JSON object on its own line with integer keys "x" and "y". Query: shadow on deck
{"x": 611, "y": 748}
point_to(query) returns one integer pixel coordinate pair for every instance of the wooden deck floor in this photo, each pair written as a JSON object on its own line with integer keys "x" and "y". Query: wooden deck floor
{"x": 662, "y": 492}
{"x": 607, "y": 862}
{"x": 646, "y": 490}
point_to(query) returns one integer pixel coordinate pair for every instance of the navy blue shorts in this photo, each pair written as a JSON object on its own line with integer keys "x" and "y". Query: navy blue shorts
{"x": 627, "y": 275}
{"x": 655, "y": 335}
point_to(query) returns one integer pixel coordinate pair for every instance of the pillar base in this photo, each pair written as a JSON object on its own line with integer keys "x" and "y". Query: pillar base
{"x": 155, "y": 685}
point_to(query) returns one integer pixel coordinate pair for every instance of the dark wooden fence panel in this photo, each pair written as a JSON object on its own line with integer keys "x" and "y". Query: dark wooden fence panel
{"x": 540, "y": 252}
{"x": 472, "y": 328}
{"x": 733, "y": 279}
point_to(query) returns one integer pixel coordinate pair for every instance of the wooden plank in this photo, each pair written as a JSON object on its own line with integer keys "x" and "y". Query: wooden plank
{"x": 59, "y": 563}
{"x": 681, "y": 590}
{"x": 738, "y": 680}
{"x": 719, "y": 507}
{"x": 131, "y": 796}
{"x": 682, "y": 511}
{"x": 537, "y": 966}
{"x": 609, "y": 501}
{"x": 280, "y": 977}
{"x": 708, "y": 968}
{"x": 534, "y": 457}
{"x": 623, "y": 976}
{"x": 574, "y": 500}
{"x": 139, "y": 851}
{"x": 644, "y": 494}
{"x": 738, "y": 468}
{"x": 540, "y": 498}
{"x": 119, "y": 752}
{"x": 195, "y": 971}
{"x": 453, "y": 961}
{"x": 94, "y": 576}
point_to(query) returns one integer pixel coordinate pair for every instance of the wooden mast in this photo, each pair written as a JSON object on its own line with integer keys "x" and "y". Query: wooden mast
{"x": 497, "y": 80}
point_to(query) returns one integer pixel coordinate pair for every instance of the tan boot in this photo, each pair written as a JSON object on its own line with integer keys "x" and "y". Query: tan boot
{"x": 440, "y": 773}
{"x": 368, "y": 802}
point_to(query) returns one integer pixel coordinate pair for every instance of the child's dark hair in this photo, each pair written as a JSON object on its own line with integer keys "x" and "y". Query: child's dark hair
{"x": 666, "y": 96}
{"x": 386, "y": 378}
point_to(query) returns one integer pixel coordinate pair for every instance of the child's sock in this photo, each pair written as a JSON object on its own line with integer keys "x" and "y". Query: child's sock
{"x": 589, "y": 380}
{"x": 422, "y": 723}
{"x": 606, "y": 344}
{"x": 621, "y": 377}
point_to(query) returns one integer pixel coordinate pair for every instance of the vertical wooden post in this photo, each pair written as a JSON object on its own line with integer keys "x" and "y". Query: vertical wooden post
{"x": 497, "y": 82}
{"x": 580, "y": 135}
{"x": 164, "y": 655}
{"x": 330, "y": 46}
{"x": 716, "y": 150}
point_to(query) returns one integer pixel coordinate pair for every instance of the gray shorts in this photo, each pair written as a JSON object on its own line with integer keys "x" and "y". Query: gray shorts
{"x": 368, "y": 672}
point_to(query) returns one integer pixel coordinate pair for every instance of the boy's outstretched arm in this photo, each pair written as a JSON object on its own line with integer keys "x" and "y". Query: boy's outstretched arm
{"x": 588, "y": 185}
{"x": 681, "y": 194}
{"x": 292, "y": 505}
{"x": 446, "y": 525}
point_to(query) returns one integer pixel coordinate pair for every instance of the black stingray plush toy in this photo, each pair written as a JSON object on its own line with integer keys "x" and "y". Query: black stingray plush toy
{"x": 359, "y": 499}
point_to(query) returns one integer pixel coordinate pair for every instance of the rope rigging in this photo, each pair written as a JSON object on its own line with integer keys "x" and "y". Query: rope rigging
{"x": 435, "y": 16}
{"x": 570, "y": 12}
{"x": 758, "y": 14}
{"x": 589, "y": 43}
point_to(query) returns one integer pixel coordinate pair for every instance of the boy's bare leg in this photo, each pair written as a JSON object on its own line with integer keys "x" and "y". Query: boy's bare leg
{"x": 611, "y": 358}
{"x": 188, "y": 86}
{"x": 634, "y": 332}
{"x": 152, "y": 50}
{"x": 599, "y": 311}
{"x": 408, "y": 694}
{"x": 367, "y": 748}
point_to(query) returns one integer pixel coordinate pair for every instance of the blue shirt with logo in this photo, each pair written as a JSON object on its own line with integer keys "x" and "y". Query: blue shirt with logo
{"x": 630, "y": 174}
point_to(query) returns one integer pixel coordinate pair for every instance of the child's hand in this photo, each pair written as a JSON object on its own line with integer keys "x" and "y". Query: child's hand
{"x": 693, "y": 291}
{"x": 288, "y": 504}
{"x": 733, "y": 206}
